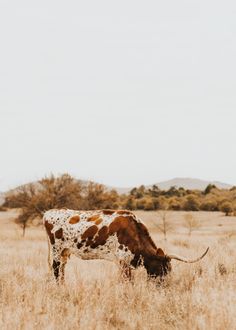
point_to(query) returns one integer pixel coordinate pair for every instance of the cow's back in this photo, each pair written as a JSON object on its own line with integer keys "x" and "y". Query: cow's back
{"x": 102, "y": 234}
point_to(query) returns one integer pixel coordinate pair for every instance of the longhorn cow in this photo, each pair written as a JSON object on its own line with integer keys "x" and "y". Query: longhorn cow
{"x": 115, "y": 235}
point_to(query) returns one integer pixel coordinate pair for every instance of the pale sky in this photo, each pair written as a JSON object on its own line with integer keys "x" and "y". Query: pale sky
{"x": 120, "y": 92}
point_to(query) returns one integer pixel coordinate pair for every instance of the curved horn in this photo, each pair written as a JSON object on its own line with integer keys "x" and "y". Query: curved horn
{"x": 176, "y": 257}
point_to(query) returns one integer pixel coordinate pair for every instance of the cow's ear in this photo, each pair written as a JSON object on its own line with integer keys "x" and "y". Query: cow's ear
{"x": 160, "y": 252}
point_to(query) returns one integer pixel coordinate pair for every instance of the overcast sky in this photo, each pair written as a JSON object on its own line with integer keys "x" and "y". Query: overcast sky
{"x": 121, "y": 92}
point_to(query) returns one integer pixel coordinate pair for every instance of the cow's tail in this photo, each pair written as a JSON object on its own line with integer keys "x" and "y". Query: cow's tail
{"x": 49, "y": 249}
{"x": 49, "y": 254}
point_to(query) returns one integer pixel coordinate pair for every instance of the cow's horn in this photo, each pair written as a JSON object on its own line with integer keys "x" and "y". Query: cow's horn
{"x": 176, "y": 257}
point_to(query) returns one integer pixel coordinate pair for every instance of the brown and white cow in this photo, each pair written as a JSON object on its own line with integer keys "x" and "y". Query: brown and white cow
{"x": 115, "y": 235}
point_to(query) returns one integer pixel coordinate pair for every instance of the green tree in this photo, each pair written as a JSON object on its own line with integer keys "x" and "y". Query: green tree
{"x": 154, "y": 191}
{"x": 174, "y": 204}
{"x": 209, "y": 189}
{"x": 191, "y": 203}
{"x": 149, "y": 206}
{"x": 130, "y": 203}
{"x": 227, "y": 208}
{"x": 209, "y": 204}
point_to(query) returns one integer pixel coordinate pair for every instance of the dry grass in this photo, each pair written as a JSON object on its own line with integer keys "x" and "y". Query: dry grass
{"x": 198, "y": 296}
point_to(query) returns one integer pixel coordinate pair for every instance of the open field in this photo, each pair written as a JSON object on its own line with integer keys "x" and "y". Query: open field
{"x": 195, "y": 296}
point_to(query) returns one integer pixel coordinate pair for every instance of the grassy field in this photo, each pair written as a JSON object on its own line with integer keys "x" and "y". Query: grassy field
{"x": 195, "y": 296}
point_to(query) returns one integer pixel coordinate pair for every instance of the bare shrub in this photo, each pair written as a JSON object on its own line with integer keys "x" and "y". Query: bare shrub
{"x": 181, "y": 243}
{"x": 191, "y": 223}
{"x": 222, "y": 269}
{"x": 165, "y": 226}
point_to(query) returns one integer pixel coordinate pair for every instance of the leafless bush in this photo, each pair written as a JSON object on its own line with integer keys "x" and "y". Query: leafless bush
{"x": 165, "y": 226}
{"x": 191, "y": 223}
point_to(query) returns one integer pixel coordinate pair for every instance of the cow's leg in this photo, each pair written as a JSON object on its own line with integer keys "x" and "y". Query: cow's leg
{"x": 125, "y": 270}
{"x": 64, "y": 257}
{"x": 56, "y": 265}
{"x": 56, "y": 268}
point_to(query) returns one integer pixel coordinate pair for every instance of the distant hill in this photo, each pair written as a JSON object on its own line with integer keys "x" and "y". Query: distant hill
{"x": 190, "y": 183}
{"x": 186, "y": 183}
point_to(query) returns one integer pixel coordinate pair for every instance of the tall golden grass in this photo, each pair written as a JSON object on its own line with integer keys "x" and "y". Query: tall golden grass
{"x": 197, "y": 296}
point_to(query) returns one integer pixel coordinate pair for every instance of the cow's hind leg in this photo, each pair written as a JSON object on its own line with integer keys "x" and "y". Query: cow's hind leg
{"x": 125, "y": 271}
{"x": 56, "y": 268}
{"x": 64, "y": 257}
{"x": 57, "y": 261}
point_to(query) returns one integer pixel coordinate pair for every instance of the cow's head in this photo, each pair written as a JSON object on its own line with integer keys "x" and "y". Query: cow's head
{"x": 159, "y": 265}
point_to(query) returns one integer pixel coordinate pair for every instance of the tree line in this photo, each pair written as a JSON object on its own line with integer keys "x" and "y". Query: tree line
{"x": 66, "y": 192}
{"x": 210, "y": 199}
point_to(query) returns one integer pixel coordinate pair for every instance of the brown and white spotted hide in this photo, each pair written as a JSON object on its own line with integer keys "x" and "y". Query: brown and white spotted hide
{"x": 115, "y": 235}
